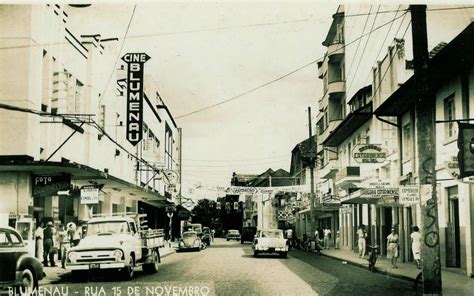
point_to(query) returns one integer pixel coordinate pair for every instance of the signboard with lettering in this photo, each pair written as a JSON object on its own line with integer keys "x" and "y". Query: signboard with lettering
{"x": 452, "y": 167}
{"x": 409, "y": 194}
{"x": 136, "y": 62}
{"x": 369, "y": 153}
{"x": 89, "y": 195}
{"x": 44, "y": 185}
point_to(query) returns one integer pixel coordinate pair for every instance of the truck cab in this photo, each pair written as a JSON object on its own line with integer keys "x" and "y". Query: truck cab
{"x": 115, "y": 242}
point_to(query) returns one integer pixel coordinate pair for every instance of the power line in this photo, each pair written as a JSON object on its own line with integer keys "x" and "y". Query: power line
{"x": 232, "y": 160}
{"x": 450, "y": 8}
{"x": 358, "y": 44}
{"x": 385, "y": 39}
{"x": 363, "y": 50}
{"x": 119, "y": 53}
{"x": 281, "y": 77}
{"x": 390, "y": 63}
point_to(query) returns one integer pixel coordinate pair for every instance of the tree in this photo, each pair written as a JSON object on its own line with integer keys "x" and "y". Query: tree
{"x": 204, "y": 212}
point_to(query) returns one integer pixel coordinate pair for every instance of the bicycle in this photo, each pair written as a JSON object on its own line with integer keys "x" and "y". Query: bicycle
{"x": 373, "y": 251}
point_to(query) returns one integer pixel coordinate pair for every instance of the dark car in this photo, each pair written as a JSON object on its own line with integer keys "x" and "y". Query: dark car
{"x": 18, "y": 268}
{"x": 206, "y": 235}
{"x": 248, "y": 234}
{"x": 190, "y": 240}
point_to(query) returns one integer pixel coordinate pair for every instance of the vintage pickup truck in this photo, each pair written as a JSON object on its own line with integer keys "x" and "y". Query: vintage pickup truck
{"x": 120, "y": 242}
{"x": 270, "y": 241}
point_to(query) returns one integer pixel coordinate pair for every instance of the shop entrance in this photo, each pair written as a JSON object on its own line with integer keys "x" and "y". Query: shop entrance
{"x": 386, "y": 228}
{"x": 453, "y": 240}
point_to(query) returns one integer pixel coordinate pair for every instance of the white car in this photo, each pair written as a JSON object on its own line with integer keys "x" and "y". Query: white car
{"x": 270, "y": 241}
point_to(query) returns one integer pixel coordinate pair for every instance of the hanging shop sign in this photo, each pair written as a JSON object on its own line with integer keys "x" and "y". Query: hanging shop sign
{"x": 409, "y": 194}
{"x": 344, "y": 209}
{"x": 369, "y": 153}
{"x": 452, "y": 167}
{"x": 44, "y": 185}
{"x": 89, "y": 195}
{"x": 376, "y": 189}
{"x": 135, "y": 62}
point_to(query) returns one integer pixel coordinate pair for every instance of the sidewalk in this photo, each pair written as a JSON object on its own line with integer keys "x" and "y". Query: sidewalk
{"x": 453, "y": 283}
{"x": 54, "y": 274}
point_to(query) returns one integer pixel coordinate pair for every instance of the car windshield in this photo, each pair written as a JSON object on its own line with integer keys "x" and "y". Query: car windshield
{"x": 189, "y": 235}
{"x": 233, "y": 232}
{"x": 272, "y": 234}
{"x": 107, "y": 227}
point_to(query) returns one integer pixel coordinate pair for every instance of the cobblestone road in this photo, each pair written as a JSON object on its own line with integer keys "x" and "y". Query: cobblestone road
{"x": 229, "y": 268}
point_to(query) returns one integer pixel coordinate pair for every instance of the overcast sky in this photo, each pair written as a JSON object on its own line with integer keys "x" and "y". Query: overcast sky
{"x": 204, "y": 53}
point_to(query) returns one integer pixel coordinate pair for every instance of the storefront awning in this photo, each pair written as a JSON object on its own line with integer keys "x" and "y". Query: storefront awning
{"x": 83, "y": 173}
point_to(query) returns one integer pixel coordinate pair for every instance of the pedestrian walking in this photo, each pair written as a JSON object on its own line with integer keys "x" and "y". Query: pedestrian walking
{"x": 338, "y": 239}
{"x": 48, "y": 244}
{"x": 73, "y": 233}
{"x": 61, "y": 235}
{"x": 362, "y": 235}
{"x": 416, "y": 245}
{"x": 327, "y": 237}
{"x": 213, "y": 233}
{"x": 392, "y": 247}
{"x": 39, "y": 232}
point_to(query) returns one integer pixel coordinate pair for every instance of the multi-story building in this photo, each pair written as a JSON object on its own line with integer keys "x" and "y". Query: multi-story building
{"x": 62, "y": 123}
{"x": 451, "y": 76}
{"x": 367, "y": 139}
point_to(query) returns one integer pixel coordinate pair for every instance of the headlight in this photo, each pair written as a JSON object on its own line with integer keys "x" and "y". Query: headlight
{"x": 72, "y": 256}
{"x": 181, "y": 244}
{"x": 118, "y": 254}
{"x": 197, "y": 243}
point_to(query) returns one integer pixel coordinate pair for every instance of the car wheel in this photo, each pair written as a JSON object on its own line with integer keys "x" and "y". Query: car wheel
{"x": 227, "y": 239}
{"x": 129, "y": 270}
{"x": 153, "y": 266}
{"x": 255, "y": 253}
{"x": 284, "y": 254}
{"x": 28, "y": 282}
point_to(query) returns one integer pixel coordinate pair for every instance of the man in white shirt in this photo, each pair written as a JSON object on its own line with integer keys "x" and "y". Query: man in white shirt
{"x": 361, "y": 234}
{"x": 327, "y": 237}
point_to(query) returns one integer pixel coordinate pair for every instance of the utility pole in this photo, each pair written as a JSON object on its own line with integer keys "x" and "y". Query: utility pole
{"x": 180, "y": 131}
{"x": 311, "y": 173}
{"x": 425, "y": 140}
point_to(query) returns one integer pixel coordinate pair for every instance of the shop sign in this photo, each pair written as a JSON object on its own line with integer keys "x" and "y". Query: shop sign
{"x": 44, "y": 185}
{"x": 369, "y": 153}
{"x": 89, "y": 195}
{"x": 409, "y": 194}
{"x": 135, "y": 62}
{"x": 452, "y": 167}
{"x": 378, "y": 192}
{"x": 345, "y": 209}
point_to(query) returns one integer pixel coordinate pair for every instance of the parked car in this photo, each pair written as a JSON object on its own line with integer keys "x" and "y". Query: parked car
{"x": 270, "y": 241}
{"x": 233, "y": 234}
{"x": 116, "y": 243}
{"x": 206, "y": 235}
{"x": 190, "y": 240}
{"x": 18, "y": 267}
{"x": 248, "y": 234}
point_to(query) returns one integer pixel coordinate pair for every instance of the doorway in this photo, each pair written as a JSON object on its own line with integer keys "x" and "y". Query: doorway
{"x": 453, "y": 239}
{"x": 386, "y": 228}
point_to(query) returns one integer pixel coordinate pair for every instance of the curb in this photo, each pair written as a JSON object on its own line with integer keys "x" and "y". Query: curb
{"x": 377, "y": 270}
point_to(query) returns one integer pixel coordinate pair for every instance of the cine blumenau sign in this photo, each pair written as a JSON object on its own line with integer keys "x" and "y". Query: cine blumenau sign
{"x": 135, "y": 62}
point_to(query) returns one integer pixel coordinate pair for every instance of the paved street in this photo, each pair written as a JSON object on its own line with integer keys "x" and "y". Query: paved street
{"x": 229, "y": 268}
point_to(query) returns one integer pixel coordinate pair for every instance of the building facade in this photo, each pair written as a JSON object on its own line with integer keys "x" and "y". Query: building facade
{"x": 62, "y": 123}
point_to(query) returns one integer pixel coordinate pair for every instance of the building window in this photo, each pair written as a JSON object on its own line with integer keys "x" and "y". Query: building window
{"x": 449, "y": 114}
{"x": 406, "y": 141}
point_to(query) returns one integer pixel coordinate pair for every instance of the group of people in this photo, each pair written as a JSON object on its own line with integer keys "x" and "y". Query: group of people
{"x": 51, "y": 241}
{"x": 393, "y": 244}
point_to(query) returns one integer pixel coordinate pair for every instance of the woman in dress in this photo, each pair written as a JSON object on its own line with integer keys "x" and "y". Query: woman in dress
{"x": 392, "y": 247}
{"x": 416, "y": 245}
